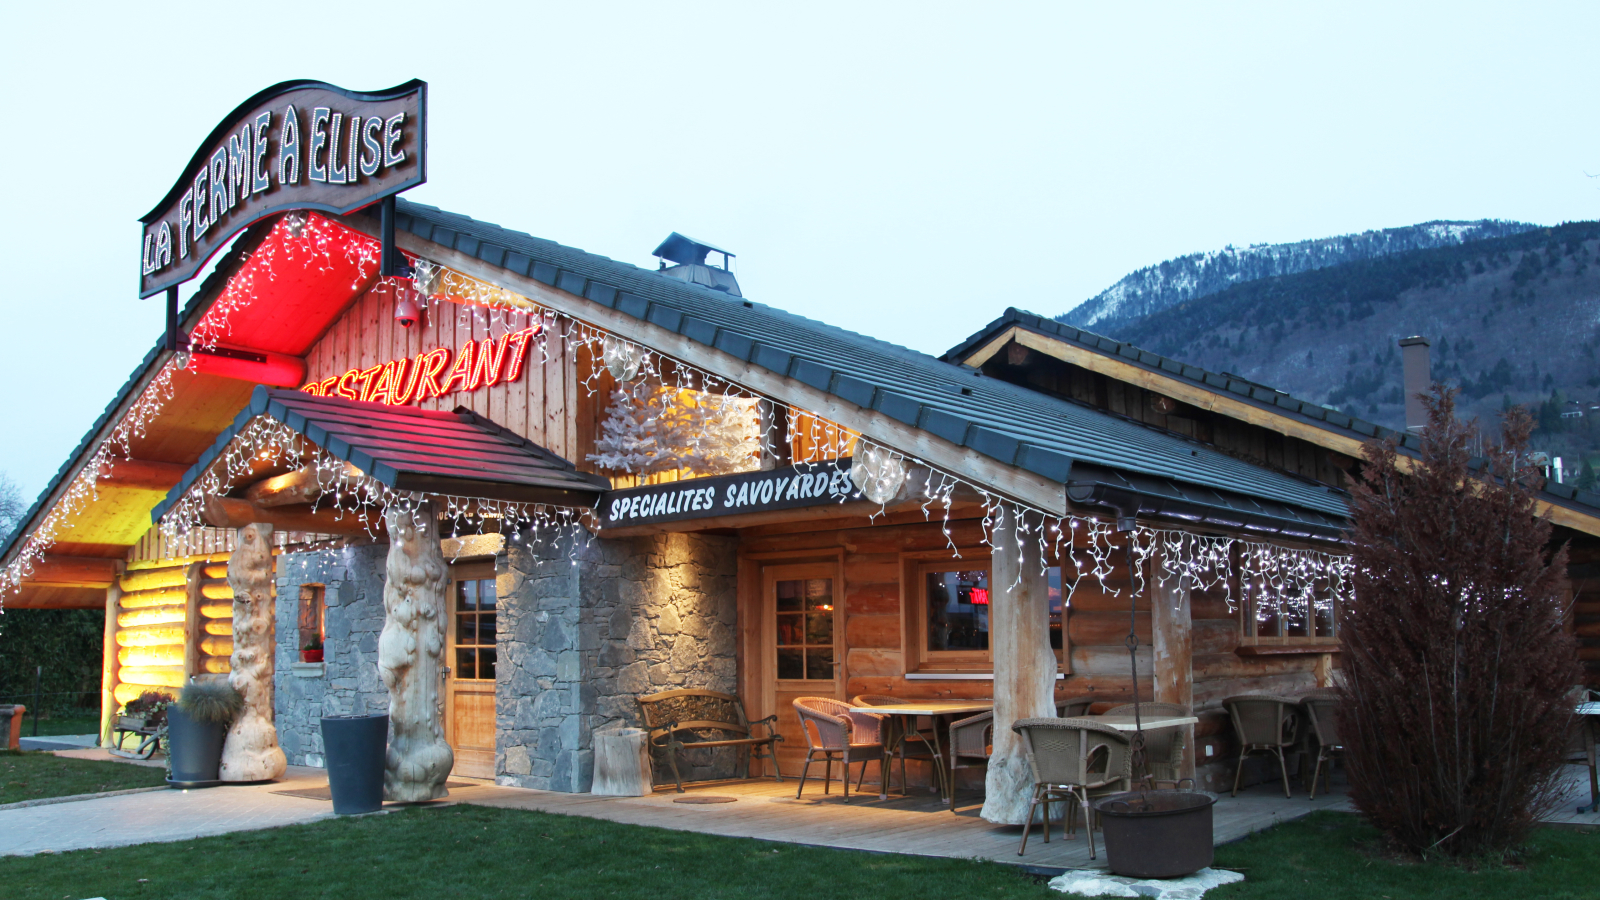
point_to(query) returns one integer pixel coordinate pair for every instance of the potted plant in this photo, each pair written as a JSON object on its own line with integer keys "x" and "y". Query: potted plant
{"x": 196, "y": 726}
{"x": 312, "y": 651}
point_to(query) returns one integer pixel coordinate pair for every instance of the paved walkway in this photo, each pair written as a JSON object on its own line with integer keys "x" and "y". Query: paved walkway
{"x": 59, "y": 742}
{"x": 158, "y": 816}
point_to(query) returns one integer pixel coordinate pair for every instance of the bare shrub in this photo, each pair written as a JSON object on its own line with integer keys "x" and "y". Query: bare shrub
{"x": 1456, "y": 664}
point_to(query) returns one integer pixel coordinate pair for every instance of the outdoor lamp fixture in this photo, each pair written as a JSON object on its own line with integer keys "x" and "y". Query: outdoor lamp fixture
{"x": 622, "y": 358}
{"x": 407, "y": 308}
{"x": 878, "y": 473}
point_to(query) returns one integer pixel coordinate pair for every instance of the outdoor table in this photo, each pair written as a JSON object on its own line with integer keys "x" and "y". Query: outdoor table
{"x": 907, "y": 713}
{"x": 1126, "y": 723}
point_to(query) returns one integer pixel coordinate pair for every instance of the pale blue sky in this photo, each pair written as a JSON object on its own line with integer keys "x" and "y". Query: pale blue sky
{"x": 904, "y": 170}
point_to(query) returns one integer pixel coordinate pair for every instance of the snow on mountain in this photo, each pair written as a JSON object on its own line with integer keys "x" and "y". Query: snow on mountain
{"x": 1175, "y": 281}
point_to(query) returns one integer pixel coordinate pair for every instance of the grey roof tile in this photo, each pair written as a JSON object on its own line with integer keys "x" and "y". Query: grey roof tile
{"x": 1009, "y": 423}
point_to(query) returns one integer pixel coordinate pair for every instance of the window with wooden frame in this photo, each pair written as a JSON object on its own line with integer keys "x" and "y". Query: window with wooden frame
{"x": 310, "y": 620}
{"x": 945, "y": 604}
{"x": 1287, "y": 618}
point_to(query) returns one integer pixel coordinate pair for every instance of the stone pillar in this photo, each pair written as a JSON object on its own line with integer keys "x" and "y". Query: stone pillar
{"x": 251, "y": 751}
{"x": 1024, "y": 666}
{"x": 411, "y": 657}
{"x": 1173, "y": 640}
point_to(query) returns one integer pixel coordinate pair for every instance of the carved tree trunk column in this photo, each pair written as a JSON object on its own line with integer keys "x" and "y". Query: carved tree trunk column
{"x": 411, "y": 657}
{"x": 1024, "y": 667}
{"x": 251, "y": 751}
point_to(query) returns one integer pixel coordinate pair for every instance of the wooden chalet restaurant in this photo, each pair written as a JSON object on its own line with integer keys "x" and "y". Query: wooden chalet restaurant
{"x": 510, "y": 488}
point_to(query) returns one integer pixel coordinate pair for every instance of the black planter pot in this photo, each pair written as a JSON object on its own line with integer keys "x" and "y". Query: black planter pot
{"x": 1157, "y": 834}
{"x": 195, "y": 749}
{"x": 355, "y": 748}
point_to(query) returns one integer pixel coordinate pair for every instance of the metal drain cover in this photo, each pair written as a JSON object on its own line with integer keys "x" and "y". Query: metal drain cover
{"x": 704, "y": 798}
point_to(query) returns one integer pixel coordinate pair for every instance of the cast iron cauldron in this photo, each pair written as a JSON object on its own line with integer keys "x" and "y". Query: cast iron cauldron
{"x": 1157, "y": 834}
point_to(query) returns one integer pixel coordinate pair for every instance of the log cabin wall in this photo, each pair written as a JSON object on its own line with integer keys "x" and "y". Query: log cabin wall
{"x": 873, "y": 639}
{"x": 1241, "y": 440}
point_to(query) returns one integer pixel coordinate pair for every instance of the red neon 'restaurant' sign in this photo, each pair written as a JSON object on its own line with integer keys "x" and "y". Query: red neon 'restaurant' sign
{"x": 433, "y": 373}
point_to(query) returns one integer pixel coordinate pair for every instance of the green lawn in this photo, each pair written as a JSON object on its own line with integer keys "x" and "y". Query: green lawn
{"x": 62, "y": 725}
{"x": 478, "y": 852}
{"x": 1334, "y": 856}
{"x": 32, "y": 776}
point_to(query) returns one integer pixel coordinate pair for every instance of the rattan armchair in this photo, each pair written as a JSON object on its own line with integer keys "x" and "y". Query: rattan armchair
{"x": 971, "y": 744}
{"x": 1264, "y": 723}
{"x": 832, "y": 730}
{"x": 1072, "y": 760}
{"x": 1319, "y": 706}
{"x": 1163, "y": 746}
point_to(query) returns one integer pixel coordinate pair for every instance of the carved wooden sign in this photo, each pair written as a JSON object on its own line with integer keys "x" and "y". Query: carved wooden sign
{"x": 747, "y": 492}
{"x": 295, "y": 145}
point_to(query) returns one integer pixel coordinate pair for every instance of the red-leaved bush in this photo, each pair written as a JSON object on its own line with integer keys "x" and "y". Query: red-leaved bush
{"x": 1456, "y": 667}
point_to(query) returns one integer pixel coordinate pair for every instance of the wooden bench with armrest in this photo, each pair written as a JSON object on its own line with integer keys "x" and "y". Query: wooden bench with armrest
{"x": 671, "y": 715}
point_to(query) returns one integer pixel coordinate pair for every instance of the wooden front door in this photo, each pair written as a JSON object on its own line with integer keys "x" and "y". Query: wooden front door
{"x": 469, "y": 679}
{"x": 802, "y": 635}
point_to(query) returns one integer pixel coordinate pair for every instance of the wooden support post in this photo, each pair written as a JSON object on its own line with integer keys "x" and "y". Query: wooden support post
{"x": 1323, "y": 670}
{"x": 1172, "y": 631}
{"x": 108, "y": 667}
{"x": 251, "y": 751}
{"x": 411, "y": 656}
{"x": 1024, "y": 665}
{"x": 192, "y": 632}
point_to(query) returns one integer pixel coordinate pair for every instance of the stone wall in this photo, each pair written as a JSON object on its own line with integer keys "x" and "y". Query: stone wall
{"x": 581, "y": 634}
{"x": 347, "y": 681}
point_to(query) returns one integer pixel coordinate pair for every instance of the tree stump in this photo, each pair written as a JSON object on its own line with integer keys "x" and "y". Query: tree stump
{"x": 622, "y": 763}
{"x": 1024, "y": 666}
{"x": 251, "y": 751}
{"x": 411, "y": 657}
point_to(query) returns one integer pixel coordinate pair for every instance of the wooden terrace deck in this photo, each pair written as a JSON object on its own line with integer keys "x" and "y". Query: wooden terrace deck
{"x": 918, "y": 824}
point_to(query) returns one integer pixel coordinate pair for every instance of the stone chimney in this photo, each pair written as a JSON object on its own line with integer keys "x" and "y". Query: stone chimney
{"x": 1418, "y": 380}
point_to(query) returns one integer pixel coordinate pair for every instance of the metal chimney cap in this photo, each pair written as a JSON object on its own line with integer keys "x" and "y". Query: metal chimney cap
{"x": 1414, "y": 340}
{"x": 686, "y": 250}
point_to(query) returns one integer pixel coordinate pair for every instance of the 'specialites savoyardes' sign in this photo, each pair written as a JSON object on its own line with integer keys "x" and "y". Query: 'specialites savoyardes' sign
{"x": 747, "y": 492}
{"x": 295, "y": 145}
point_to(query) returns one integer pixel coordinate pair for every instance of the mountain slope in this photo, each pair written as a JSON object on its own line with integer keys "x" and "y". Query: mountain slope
{"x": 1158, "y": 287}
{"x": 1511, "y": 319}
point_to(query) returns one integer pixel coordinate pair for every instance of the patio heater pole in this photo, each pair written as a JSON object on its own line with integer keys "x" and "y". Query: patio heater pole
{"x": 1136, "y": 745}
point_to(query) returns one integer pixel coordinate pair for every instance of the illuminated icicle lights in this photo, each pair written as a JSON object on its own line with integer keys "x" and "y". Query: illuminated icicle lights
{"x": 1204, "y": 560}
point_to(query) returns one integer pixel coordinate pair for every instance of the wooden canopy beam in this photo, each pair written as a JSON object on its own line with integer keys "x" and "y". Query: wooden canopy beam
{"x": 301, "y": 486}
{"x": 228, "y": 512}
{"x": 75, "y": 571}
{"x": 143, "y": 473}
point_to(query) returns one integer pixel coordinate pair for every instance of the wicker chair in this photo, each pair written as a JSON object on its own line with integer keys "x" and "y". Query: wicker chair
{"x": 1163, "y": 746}
{"x": 1072, "y": 759}
{"x": 1319, "y": 706}
{"x": 972, "y": 740}
{"x": 1264, "y": 723}
{"x": 1075, "y": 707}
{"x": 831, "y": 729}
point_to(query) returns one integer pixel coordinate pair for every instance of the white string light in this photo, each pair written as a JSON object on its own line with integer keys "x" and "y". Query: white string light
{"x": 1202, "y": 559}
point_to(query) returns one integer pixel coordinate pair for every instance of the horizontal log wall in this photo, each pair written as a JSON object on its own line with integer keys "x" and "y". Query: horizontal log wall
{"x": 875, "y": 660}
{"x": 149, "y": 632}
